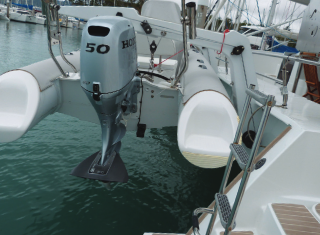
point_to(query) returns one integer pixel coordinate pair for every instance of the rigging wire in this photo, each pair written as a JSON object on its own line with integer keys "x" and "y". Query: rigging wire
{"x": 297, "y": 17}
{"x": 267, "y": 26}
{"x": 288, "y": 11}
{"x": 252, "y": 14}
{"x": 247, "y": 9}
{"x": 208, "y": 15}
{"x": 259, "y": 13}
{"x": 277, "y": 10}
{"x": 282, "y": 18}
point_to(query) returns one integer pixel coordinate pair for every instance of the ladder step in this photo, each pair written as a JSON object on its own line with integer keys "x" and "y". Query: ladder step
{"x": 240, "y": 154}
{"x": 224, "y": 209}
{"x": 242, "y": 157}
{"x": 257, "y": 95}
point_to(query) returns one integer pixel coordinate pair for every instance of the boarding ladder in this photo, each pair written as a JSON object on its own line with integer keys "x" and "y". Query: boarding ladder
{"x": 246, "y": 162}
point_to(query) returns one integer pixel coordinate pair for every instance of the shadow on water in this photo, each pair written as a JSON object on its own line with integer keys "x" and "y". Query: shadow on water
{"x": 38, "y": 196}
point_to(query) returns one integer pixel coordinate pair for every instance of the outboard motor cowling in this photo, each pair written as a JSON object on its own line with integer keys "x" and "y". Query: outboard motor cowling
{"x": 108, "y": 63}
{"x": 108, "y": 55}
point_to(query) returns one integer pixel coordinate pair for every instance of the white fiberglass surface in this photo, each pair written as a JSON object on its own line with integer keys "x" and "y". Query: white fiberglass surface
{"x": 207, "y": 124}
{"x": 19, "y": 100}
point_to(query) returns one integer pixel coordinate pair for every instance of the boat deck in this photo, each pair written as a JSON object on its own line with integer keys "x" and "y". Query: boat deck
{"x": 296, "y": 219}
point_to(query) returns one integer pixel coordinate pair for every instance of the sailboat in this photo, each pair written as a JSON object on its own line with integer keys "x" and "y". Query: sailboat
{"x": 154, "y": 70}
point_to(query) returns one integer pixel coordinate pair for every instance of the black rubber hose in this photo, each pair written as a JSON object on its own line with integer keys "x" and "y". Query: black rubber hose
{"x": 155, "y": 74}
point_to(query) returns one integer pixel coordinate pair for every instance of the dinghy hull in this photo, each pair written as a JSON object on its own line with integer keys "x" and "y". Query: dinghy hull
{"x": 207, "y": 121}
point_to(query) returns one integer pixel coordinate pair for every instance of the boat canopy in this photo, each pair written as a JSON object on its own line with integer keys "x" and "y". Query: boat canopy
{"x": 23, "y": 5}
{"x": 273, "y": 43}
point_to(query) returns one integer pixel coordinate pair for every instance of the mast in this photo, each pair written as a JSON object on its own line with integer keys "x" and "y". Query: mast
{"x": 216, "y": 13}
{"x": 222, "y": 26}
{"x": 272, "y": 12}
{"x": 263, "y": 17}
{"x": 226, "y": 13}
{"x": 269, "y": 22}
{"x": 214, "y": 22}
{"x": 239, "y": 14}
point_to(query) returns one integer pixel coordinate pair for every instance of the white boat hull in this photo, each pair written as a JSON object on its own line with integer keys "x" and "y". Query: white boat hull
{"x": 40, "y": 20}
{"x": 18, "y": 17}
{"x": 31, "y": 19}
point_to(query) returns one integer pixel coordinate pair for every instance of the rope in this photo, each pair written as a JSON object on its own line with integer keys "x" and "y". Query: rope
{"x": 224, "y": 37}
{"x": 155, "y": 65}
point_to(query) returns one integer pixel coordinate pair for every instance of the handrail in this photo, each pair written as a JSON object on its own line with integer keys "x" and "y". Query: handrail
{"x": 54, "y": 7}
{"x": 284, "y": 90}
{"x": 185, "y": 51}
{"x": 49, "y": 39}
{"x": 271, "y": 78}
{"x": 60, "y": 45}
{"x": 279, "y": 55}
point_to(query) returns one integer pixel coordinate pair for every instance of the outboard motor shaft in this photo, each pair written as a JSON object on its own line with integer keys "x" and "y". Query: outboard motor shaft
{"x": 108, "y": 63}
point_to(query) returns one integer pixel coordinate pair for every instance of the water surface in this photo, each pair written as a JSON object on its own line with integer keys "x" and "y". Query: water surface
{"x": 37, "y": 194}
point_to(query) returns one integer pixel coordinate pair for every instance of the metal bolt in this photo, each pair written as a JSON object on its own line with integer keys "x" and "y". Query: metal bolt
{"x": 269, "y": 103}
{"x": 152, "y": 96}
{"x": 92, "y": 170}
{"x": 163, "y": 33}
{"x": 152, "y": 91}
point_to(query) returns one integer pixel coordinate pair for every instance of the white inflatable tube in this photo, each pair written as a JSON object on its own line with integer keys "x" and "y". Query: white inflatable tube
{"x": 208, "y": 121}
{"x": 28, "y": 95}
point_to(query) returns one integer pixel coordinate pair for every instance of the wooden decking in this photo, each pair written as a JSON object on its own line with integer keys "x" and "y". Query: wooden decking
{"x": 239, "y": 233}
{"x": 296, "y": 219}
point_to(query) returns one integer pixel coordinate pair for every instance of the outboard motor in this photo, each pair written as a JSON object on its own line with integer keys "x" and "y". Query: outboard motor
{"x": 108, "y": 63}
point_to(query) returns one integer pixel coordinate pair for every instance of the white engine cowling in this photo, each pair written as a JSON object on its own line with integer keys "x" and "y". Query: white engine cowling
{"x": 108, "y": 54}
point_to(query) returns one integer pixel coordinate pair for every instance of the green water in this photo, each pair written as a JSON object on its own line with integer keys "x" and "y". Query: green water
{"x": 37, "y": 194}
